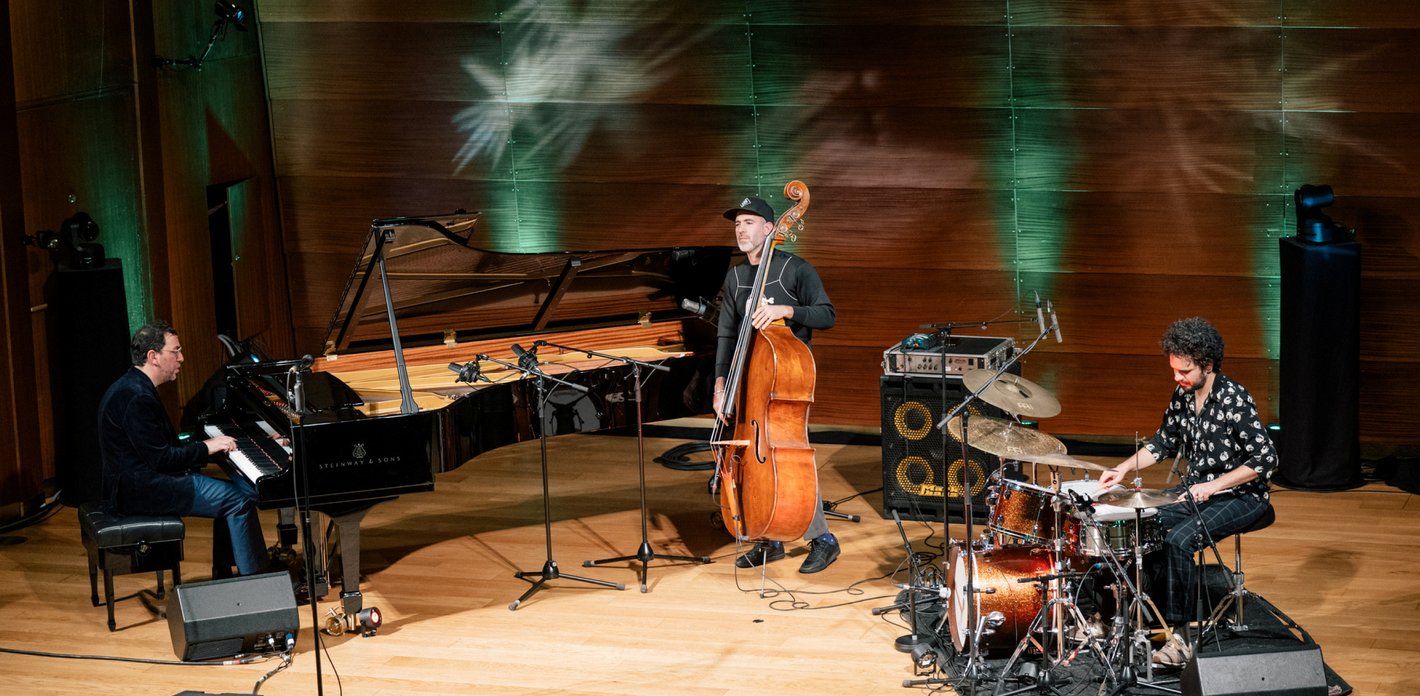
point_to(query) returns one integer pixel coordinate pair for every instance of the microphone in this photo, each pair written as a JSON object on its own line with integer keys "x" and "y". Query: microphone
{"x": 304, "y": 363}
{"x": 1081, "y": 501}
{"x": 1039, "y": 315}
{"x": 1054, "y": 321}
{"x": 696, "y": 306}
{"x": 526, "y": 359}
{"x": 700, "y": 307}
{"x": 468, "y": 372}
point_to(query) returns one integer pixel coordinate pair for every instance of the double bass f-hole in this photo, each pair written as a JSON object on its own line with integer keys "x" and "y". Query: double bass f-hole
{"x": 758, "y": 455}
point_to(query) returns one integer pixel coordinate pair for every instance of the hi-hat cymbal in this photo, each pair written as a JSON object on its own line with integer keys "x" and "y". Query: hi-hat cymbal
{"x": 1064, "y": 460}
{"x": 1012, "y": 393}
{"x": 1138, "y": 498}
{"x": 1005, "y": 438}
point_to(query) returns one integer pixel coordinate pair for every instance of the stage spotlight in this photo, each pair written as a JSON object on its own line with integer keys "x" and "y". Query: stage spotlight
{"x": 77, "y": 235}
{"x": 230, "y": 13}
{"x": 1312, "y": 224}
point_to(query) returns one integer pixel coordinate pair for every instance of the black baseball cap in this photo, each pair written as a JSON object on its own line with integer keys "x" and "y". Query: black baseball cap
{"x": 750, "y": 204}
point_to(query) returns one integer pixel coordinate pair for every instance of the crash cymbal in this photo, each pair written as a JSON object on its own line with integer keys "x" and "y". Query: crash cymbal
{"x": 1138, "y": 498}
{"x": 1014, "y": 394}
{"x": 1005, "y": 438}
{"x": 1064, "y": 460}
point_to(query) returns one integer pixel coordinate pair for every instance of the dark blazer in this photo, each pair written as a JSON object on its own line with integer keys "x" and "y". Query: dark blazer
{"x": 145, "y": 465}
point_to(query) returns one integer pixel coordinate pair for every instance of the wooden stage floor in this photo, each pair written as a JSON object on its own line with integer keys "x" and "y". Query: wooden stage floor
{"x": 440, "y": 565}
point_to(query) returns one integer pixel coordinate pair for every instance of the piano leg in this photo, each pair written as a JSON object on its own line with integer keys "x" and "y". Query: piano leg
{"x": 347, "y": 528}
{"x": 286, "y": 526}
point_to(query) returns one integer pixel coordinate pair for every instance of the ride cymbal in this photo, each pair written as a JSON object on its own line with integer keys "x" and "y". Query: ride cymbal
{"x": 1064, "y": 460}
{"x": 1005, "y": 438}
{"x": 1014, "y": 394}
{"x": 1138, "y": 498}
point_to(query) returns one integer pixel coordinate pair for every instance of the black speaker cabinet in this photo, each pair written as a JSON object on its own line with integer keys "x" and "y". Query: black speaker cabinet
{"x": 88, "y": 350}
{"x": 917, "y": 463}
{"x": 1319, "y": 385}
{"x": 1293, "y": 670}
{"x": 222, "y": 618}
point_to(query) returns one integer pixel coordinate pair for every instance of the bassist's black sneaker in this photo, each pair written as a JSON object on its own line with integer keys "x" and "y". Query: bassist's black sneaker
{"x": 763, "y": 552}
{"x": 823, "y": 551}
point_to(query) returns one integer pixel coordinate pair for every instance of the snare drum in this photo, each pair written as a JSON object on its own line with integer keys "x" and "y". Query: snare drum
{"x": 1114, "y": 534}
{"x": 1022, "y": 511}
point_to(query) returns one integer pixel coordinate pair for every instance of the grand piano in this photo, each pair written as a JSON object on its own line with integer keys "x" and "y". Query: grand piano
{"x": 381, "y": 411}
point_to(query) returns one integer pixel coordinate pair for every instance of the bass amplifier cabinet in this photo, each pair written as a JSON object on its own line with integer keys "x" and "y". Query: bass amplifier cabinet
{"x": 222, "y": 618}
{"x": 918, "y": 462}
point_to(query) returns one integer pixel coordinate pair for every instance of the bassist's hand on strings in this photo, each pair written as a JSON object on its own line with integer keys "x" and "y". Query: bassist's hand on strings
{"x": 718, "y": 400}
{"x": 768, "y": 313}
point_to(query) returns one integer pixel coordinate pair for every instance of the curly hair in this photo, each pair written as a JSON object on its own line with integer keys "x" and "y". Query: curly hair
{"x": 153, "y": 336}
{"x": 1194, "y": 338}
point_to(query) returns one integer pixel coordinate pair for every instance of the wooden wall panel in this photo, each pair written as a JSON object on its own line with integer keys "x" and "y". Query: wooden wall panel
{"x": 1149, "y": 232}
{"x": 1194, "y": 68}
{"x": 1123, "y": 313}
{"x": 1183, "y": 152}
{"x": 1131, "y": 162}
{"x": 1369, "y": 154}
{"x": 22, "y": 456}
{"x": 1187, "y": 13}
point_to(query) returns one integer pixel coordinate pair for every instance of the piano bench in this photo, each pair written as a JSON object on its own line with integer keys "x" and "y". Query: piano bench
{"x": 125, "y": 544}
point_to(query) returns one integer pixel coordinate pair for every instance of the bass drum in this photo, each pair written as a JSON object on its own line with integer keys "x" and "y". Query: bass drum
{"x": 997, "y": 574}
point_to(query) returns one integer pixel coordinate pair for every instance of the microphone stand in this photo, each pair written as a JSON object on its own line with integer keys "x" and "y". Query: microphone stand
{"x": 644, "y": 553}
{"x": 303, "y": 503}
{"x": 549, "y": 567}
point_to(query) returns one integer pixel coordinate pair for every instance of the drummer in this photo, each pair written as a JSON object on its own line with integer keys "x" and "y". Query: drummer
{"x": 1212, "y": 420}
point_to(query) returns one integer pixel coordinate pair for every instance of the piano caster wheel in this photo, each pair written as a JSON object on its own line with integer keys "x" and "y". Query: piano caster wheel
{"x": 366, "y": 623}
{"x": 335, "y": 623}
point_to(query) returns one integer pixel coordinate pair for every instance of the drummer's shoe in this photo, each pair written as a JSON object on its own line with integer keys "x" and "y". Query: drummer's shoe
{"x": 1092, "y": 628}
{"x": 1174, "y": 654}
{"x": 763, "y": 552}
{"x": 823, "y": 551}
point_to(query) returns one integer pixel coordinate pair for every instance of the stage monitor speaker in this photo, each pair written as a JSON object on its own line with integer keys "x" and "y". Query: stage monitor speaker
{"x": 88, "y": 350}
{"x": 232, "y": 616}
{"x": 915, "y": 455}
{"x": 1290, "y": 670}
{"x": 1319, "y": 379}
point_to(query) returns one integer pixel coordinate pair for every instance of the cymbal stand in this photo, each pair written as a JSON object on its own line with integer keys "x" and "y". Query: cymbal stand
{"x": 549, "y": 570}
{"x": 1130, "y": 624}
{"x": 976, "y": 664}
{"x": 644, "y": 554}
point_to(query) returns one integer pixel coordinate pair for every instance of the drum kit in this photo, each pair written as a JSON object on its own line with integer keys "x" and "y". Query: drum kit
{"x": 1012, "y": 590}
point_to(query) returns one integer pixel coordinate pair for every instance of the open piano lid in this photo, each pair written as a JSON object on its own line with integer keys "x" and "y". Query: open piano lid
{"x": 439, "y": 282}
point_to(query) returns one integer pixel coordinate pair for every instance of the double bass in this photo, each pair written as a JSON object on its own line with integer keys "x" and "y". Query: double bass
{"x": 768, "y": 478}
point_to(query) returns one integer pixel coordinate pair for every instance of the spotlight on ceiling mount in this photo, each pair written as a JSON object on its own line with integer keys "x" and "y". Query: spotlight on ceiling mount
{"x": 230, "y": 13}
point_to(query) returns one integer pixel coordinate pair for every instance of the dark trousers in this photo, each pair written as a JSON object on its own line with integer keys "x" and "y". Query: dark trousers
{"x": 1223, "y": 516}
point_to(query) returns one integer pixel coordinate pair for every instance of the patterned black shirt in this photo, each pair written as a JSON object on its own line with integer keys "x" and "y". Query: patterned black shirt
{"x": 1226, "y": 434}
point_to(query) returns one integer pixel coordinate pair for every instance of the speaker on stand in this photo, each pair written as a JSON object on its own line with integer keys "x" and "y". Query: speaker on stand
{"x": 917, "y": 464}
{"x": 88, "y": 350}
{"x": 1320, "y": 366}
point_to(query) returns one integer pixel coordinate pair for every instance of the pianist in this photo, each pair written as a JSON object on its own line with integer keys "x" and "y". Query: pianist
{"x": 148, "y": 471}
